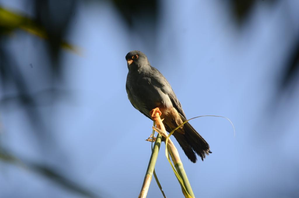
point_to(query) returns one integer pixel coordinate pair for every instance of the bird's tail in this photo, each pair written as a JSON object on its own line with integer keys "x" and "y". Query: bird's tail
{"x": 196, "y": 141}
{"x": 191, "y": 141}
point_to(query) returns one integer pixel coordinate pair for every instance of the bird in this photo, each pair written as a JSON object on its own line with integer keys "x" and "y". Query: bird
{"x": 148, "y": 89}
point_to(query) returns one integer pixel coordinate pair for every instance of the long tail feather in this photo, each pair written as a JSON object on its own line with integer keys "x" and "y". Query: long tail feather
{"x": 185, "y": 146}
{"x": 188, "y": 138}
{"x": 196, "y": 141}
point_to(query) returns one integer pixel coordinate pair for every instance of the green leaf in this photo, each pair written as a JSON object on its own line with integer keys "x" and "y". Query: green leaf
{"x": 11, "y": 21}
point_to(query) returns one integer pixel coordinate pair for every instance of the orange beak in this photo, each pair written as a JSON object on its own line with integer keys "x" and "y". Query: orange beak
{"x": 130, "y": 61}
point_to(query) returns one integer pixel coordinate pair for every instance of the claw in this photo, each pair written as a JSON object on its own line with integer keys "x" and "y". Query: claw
{"x": 151, "y": 139}
{"x": 154, "y": 112}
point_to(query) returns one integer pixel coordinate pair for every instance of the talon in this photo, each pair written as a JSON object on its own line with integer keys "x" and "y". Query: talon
{"x": 154, "y": 112}
{"x": 151, "y": 138}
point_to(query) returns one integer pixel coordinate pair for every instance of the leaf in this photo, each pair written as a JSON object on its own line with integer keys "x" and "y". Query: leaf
{"x": 48, "y": 173}
{"x": 11, "y": 21}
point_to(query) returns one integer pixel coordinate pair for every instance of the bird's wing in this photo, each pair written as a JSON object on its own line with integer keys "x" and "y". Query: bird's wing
{"x": 160, "y": 81}
{"x": 136, "y": 103}
{"x": 176, "y": 104}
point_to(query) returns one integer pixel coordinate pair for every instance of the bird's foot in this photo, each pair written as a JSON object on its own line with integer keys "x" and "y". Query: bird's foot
{"x": 154, "y": 113}
{"x": 151, "y": 138}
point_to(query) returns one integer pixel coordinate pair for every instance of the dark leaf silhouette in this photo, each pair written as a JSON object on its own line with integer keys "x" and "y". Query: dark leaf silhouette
{"x": 48, "y": 173}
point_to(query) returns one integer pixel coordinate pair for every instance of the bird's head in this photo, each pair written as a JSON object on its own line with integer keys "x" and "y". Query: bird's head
{"x": 136, "y": 59}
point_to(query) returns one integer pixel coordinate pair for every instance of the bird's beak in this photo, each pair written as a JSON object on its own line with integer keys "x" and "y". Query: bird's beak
{"x": 129, "y": 61}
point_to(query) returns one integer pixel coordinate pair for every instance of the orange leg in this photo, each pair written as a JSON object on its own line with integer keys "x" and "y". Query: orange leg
{"x": 151, "y": 138}
{"x": 154, "y": 113}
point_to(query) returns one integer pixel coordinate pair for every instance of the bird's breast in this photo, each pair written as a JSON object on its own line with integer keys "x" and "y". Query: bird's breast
{"x": 145, "y": 95}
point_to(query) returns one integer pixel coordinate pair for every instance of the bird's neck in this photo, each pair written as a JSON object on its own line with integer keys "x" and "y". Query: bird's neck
{"x": 138, "y": 69}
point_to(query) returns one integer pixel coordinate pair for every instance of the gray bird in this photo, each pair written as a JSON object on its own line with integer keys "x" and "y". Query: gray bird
{"x": 147, "y": 89}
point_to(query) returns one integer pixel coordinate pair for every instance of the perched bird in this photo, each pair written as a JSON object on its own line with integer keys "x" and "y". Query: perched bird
{"x": 147, "y": 89}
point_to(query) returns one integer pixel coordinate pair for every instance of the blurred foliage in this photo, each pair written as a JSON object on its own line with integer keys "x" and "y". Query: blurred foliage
{"x": 47, "y": 172}
{"x": 132, "y": 10}
{"x": 241, "y": 10}
{"x": 141, "y": 18}
{"x": 12, "y": 21}
{"x": 50, "y": 24}
{"x": 291, "y": 71}
{"x": 51, "y": 21}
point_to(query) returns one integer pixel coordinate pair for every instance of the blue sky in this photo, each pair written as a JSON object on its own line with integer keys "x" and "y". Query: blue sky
{"x": 214, "y": 69}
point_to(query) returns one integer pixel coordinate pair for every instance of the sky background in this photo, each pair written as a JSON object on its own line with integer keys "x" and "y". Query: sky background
{"x": 215, "y": 68}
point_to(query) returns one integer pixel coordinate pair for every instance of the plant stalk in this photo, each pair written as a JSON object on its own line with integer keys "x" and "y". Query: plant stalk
{"x": 151, "y": 167}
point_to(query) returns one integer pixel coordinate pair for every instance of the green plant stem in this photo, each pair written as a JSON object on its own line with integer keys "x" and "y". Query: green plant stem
{"x": 151, "y": 167}
{"x": 180, "y": 171}
{"x": 180, "y": 168}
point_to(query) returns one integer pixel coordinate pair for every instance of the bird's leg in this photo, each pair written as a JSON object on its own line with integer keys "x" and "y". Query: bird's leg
{"x": 154, "y": 113}
{"x": 151, "y": 138}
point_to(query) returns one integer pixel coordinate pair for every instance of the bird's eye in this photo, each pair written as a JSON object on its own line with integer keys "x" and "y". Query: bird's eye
{"x": 135, "y": 57}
